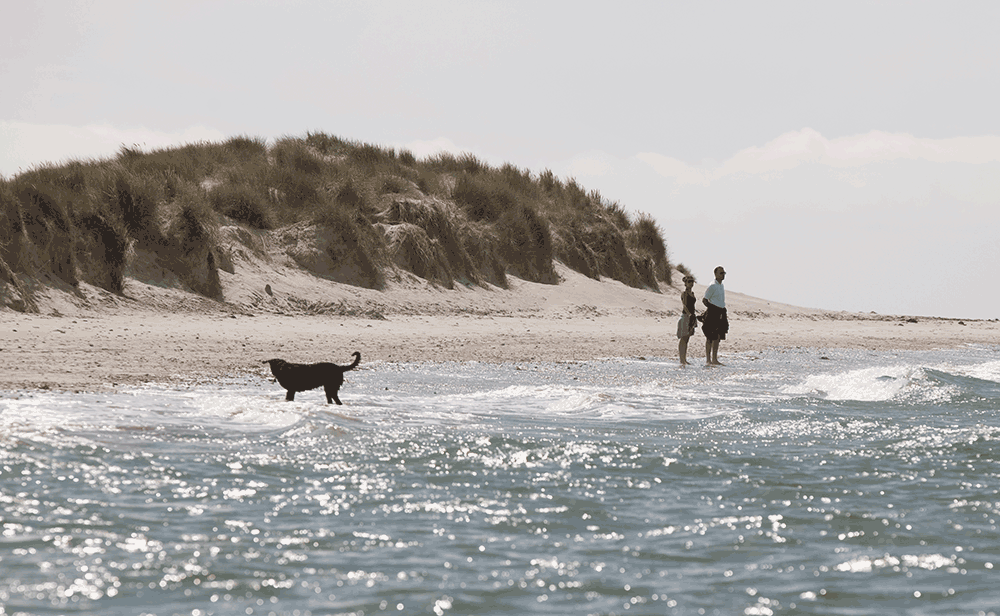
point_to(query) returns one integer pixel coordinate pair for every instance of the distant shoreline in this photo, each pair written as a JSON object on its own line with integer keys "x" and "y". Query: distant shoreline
{"x": 160, "y": 336}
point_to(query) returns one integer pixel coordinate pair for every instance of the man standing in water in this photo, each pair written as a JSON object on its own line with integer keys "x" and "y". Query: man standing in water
{"x": 716, "y": 323}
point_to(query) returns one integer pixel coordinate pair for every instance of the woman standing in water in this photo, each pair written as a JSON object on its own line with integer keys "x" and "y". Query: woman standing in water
{"x": 685, "y": 327}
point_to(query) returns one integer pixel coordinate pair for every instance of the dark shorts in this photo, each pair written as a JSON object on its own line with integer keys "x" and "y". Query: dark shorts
{"x": 716, "y": 324}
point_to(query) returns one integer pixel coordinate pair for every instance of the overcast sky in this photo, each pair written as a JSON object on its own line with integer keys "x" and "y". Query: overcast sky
{"x": 841, "y": 155}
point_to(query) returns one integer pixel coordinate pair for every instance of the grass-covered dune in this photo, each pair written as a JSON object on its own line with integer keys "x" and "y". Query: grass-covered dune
{"x": 364, "y": 210}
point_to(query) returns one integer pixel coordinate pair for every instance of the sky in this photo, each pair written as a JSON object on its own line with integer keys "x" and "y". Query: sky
{"x": 841, "y": 155}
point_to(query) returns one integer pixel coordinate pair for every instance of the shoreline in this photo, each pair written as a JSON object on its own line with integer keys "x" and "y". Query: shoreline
{"x": 105, "y": 351}
{"x": 86, "y": 339}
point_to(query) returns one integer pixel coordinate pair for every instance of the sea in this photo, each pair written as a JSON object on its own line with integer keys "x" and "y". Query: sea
{"x": 800, "y": 481}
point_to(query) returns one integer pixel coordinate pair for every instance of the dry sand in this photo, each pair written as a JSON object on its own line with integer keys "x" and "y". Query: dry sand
{"x": 92, "y": 340}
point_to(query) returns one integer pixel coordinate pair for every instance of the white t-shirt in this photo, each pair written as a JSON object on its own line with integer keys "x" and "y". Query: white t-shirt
{"x": 716, "y": 294}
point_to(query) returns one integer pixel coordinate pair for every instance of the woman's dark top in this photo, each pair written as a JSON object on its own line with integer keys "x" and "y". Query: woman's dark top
{"x": 688, "y": 300}
{"x": 688, "y": 303}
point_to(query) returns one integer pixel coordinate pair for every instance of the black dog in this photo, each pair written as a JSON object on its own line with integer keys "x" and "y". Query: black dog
{"x": 303, "y": 377}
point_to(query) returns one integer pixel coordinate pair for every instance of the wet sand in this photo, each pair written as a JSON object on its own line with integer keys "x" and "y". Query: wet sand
{"x": 100, "y": 351}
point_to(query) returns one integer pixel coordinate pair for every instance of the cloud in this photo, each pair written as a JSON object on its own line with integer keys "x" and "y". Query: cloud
{"x": 27, "y": 145}
{"x": 677, "y": 170}
{"x": 875, "y": 221}
{"x": 593, "y": 164}
{"x": 807, "y": 146}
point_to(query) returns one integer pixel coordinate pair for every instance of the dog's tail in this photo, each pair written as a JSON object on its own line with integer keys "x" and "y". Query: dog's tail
{"x": 354, "y": 364}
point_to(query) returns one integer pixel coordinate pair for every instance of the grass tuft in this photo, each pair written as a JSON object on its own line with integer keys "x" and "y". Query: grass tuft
{"x": 243, "y": 204}
{"x": 192, "y": 239}
{"x": 134, "y": 200}
{"x": 350, "y": 196}
{"x": 294, "y": 154}
{"x": 49, "y": 231}
{"x": 407, "y": 158}
{"x": 355, "y": 248}
{"x": 442, "y": 229}
{"x": 327, "y": 145}
{"x": 684, "y": 271}
{"x": 526, "y": 244}
{"x": 412, "y": 249}
{"x": 646, "y": 240}
{"x": 483, "y": 198}
{"x": 371, "y": 156}
{"x": 108, "y": 245}
{"x": 247, "y": 148}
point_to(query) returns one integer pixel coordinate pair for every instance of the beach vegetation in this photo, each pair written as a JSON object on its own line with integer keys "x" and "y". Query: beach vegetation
{"x": 684, "y": 271}
{"x": 243, "y": 203}
{"x": 345, "y": 210}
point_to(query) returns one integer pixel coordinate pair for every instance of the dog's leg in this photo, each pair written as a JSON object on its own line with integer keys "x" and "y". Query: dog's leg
{"x": 331, "y": 396}
{"x": 290, "y": 396}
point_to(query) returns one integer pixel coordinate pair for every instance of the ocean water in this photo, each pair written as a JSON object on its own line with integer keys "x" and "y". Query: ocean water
{"x": 799, "y": 482}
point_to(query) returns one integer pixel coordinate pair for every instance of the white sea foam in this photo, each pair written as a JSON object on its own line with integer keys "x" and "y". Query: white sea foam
{"x": 930, "y": 382}
{"x": 987, "y": 371}
{"x": 877, "y": 384}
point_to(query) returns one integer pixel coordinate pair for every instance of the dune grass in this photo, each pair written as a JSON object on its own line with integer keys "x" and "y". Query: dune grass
{"x": 449, "y": 219}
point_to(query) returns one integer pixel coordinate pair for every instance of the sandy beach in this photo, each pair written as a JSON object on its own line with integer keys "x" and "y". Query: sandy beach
{"x": 92, "y": 340}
